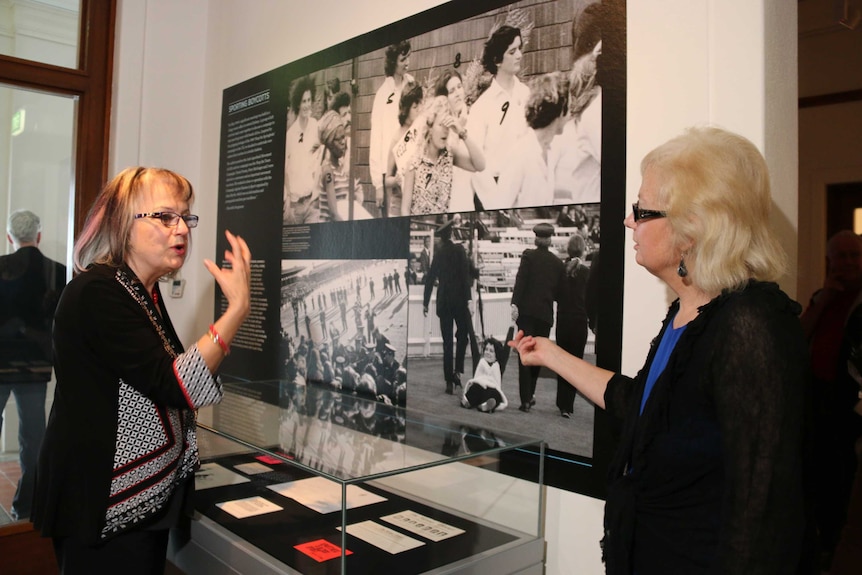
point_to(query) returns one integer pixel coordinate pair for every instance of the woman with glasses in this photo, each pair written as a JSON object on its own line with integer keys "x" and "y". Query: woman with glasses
{"x": 117, "y": 465}
{"x": 708, "y": 473}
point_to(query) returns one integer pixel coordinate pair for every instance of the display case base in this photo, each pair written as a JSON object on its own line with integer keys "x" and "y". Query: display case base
{"x": 210, "y": 549}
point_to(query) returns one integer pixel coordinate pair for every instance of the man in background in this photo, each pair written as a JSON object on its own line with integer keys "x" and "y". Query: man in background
{"x": 837, "y": 423}
{"x": 537, "y": 286}
{"x": 454, "y": 273}
{"x": 30, "y": 286}
{"x": 572, "y": 315}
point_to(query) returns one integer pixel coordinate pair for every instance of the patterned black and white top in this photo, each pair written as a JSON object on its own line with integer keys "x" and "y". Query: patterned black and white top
{"x": 432, "y": 184}
{"x": 121, "y": 437}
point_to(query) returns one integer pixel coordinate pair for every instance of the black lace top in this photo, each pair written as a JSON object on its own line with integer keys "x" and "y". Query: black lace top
{"x": 709, "y": 478}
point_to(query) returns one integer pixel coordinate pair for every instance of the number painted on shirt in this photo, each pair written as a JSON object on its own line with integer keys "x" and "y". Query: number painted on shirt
{"x": 389, "y": 99}
{"x": 427, "y": 179}
{"x": 328, "y": 178}
{"x": 504, "y": 109}
{"x": 301, "y": 135}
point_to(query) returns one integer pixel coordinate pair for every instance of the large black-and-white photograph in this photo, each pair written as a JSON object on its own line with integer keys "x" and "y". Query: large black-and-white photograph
{"x": 344, "y": 325}
{"x": 502, "y": 110}
{"x": 487, "y": 275}
{"x": 438, "y": 185}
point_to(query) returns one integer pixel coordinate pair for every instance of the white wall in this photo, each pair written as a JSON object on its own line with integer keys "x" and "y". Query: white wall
{"x": 689, "y": 62}
{"x": 830, "y": 137}
{"x": 830, "y": 152}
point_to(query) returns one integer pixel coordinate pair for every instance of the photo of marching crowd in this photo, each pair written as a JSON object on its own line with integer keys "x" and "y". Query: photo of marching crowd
{"x": 344, "y": 325}
{"x": 496, "y": 112}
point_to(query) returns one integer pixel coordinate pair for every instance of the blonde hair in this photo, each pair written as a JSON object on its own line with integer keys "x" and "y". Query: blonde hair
{"x": 105, "y": 236}
{"x": 715, "y": 190}
{"x": 436, "y": 107}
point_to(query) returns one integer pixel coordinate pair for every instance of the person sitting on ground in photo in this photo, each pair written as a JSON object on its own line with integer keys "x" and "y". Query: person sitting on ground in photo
{"x": 484, "y": 390}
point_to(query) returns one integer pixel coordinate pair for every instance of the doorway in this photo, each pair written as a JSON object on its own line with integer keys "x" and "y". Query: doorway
{"x": 843, "y": 207}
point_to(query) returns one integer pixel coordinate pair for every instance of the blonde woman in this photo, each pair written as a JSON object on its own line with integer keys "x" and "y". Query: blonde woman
{"x": 428, "y": 184}
{"x": 708, "y": 473}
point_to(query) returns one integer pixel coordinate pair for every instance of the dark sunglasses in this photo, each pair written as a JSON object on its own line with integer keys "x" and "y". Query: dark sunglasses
{"x": 641, "y": 215}
{"x": 171, "y": 219}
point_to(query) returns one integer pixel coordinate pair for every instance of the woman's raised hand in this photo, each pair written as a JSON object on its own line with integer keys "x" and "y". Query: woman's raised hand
{"x": 234, "y": 281}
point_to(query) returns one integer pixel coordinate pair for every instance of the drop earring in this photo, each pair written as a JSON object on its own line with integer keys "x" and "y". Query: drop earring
{"x": 682, "y": 271}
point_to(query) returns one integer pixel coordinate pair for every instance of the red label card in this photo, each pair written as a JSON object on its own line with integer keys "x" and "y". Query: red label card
{"x": 321, "y": 550}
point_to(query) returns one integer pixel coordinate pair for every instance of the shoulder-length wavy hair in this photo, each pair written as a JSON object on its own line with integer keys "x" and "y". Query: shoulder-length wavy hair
{"x": 715, "y": 190}
{"x": 105, "y": 236}
{"x": 441, "y": 87}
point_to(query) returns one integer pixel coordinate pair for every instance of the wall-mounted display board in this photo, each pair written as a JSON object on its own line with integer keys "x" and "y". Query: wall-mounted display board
{"x": 476, "y": 121}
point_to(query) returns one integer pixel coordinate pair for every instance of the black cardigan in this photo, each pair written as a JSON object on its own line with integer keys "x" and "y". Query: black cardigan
{"x": 709, "y": 478}
{"x": 121, "y": 436}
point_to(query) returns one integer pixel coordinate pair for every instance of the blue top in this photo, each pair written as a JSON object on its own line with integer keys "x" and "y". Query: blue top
{"x": 662, "y": 354}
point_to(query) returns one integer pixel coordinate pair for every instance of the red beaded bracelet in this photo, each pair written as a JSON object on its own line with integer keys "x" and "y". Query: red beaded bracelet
{"x": 217, "y": 339}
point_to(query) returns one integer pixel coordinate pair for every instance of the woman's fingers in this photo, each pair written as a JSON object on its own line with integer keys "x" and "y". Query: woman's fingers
{"x": 235, "y": 278}
{"x": 517, "y": 339}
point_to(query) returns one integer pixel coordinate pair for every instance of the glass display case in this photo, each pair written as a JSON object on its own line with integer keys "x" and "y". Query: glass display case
{"x": 310, "y": 480}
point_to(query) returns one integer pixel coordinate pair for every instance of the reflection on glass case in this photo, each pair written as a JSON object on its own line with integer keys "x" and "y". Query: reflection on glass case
{"x": 309, "y": 480}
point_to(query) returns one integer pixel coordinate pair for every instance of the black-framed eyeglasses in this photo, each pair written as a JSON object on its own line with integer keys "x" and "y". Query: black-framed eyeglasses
{"x": 171, "y": 219}
{"x": 640, "y": 214}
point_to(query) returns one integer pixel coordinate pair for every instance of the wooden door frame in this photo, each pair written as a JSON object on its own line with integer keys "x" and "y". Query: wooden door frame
{"x": 90, "y": 85}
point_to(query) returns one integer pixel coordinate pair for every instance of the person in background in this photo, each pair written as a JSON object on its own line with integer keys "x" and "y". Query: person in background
{"x": 403, "y": 147}
{"x": 840, "y": 476}
{"x": 428, "y": 181}
{"x": 330, "y": 89}
{"x": 826, "y": 321}
{"x": 341, "y": 104}
{"x": 384, "y": 118}
{"x": 528, "y": 177}
{"x": 451, "y": 85}
{"x": 537, "y": 287}
{"x": 300, "y": 144}
{"x": 30, "y": 286}
{"x": 334, "y": 184}
{"x": 410, "y": 275}
{"x": 576, "y": 154}
{"x": 709, "y": 475}
{"x": 425, "y": 256}
{"x": 572, "y": 316}
{"x": 564, "y": 220}
{"x": 455, "y": 273}
{"x": 116, "y": 470}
